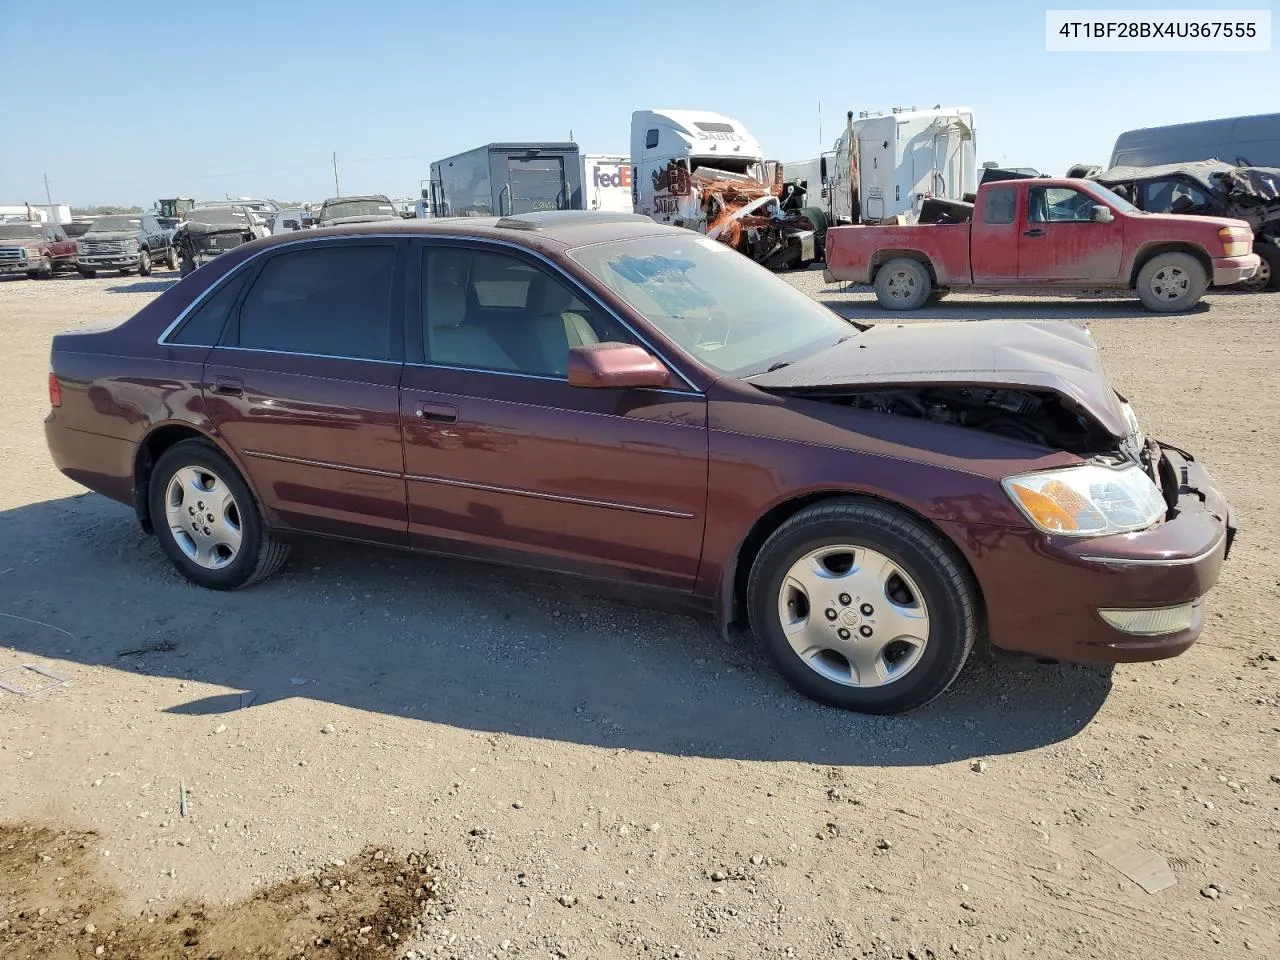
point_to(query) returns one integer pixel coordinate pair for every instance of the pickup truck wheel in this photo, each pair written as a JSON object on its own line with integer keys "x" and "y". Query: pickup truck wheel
{"x": 903, "y": 284}
{"x": 1172, "y": 282}
{"x": 862, "y": 607}
{"x": 171, "y": 259}
{"x": 144, "y": 263}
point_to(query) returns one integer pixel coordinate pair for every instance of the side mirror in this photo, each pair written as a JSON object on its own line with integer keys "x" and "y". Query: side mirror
{"x": 822, "y": 169}
{"x": 1101, "y": 214}
{"x": 426, "y": 194}
{"x": 617, "y": 365}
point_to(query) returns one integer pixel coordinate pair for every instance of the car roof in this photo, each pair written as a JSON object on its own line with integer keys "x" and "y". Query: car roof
{"x": 558, "y": 229}
{"x": 1203, "y": 170}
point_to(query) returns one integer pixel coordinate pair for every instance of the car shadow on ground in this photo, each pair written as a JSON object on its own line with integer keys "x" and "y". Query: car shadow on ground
{"x": 476, "y": 647}
{"x": 860, "y": 304}
{"x": 154, "y": 285}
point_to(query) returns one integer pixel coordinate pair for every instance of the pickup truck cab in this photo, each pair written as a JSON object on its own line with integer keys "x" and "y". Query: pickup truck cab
{"x": 125, "y": 242}
{"x": 35, "y": 249}
{"x": 1047, "y": 232}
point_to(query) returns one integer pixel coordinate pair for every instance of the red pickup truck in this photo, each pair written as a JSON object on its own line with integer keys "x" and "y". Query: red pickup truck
{"x": 1046, "y": 232}
{"x": 35, "y": 249}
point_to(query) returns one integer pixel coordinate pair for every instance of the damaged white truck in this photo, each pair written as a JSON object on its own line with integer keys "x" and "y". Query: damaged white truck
{"x": 706, "y": 172}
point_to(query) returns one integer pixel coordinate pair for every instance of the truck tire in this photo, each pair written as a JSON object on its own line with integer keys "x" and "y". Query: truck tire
{"x": 171, "y": 259}
{"x": 187, "y": 267}
{"x": 1172, "y": 282}
{"x": 903, "y": 284}
{"x": 1268, "y": 276}
{"x": 144, "y": 263}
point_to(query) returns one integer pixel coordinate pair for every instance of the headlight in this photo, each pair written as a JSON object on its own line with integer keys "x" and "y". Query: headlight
{"x": 1087, "y": 501}
{"x": 1236, "y": 242}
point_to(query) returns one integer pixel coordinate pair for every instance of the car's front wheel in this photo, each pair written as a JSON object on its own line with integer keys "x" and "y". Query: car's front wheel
{"x": 144, "y": 263}
{"x": 861, "y": 606}
{"x": 207, "y": 521}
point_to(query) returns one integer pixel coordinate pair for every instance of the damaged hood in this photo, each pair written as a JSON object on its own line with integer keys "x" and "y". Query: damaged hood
{"x": 1050, "y": 355}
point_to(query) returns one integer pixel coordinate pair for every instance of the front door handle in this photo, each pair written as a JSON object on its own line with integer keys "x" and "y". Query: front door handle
{"x": 437, "y": 412}
{"x": 228, "y": 386}
{"x": 1033, "y": 232}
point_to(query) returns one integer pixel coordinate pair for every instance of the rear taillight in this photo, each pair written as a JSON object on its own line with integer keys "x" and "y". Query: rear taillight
{"x": 55, "y": 390}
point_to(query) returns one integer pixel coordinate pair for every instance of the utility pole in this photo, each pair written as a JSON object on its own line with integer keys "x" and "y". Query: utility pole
{"x": 49, "y": 199}
{"x": 571, "y": 136}
{"x": 819, "y": 126}
{"x": 337, "y": 191}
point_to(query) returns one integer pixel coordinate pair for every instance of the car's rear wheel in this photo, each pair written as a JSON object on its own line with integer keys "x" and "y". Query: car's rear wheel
{"x": 861, "y": 606}
{"x": 144, "y": 263}
{"x": 1172, "y": 282}
{"x": 207, "y": 521}
{"x": 171, "y": 259}
{"x": 903, "y": 284}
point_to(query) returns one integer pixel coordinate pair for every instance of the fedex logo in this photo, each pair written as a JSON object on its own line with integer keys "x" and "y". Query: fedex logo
{"x": 619, "y": 177}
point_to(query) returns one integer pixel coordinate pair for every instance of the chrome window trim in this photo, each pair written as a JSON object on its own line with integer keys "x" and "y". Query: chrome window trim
{"x": 559, "y": 498}
{"x": 533, "y": 376}
{"x": 296, "y": 353}
{"x": 293, "y": 242}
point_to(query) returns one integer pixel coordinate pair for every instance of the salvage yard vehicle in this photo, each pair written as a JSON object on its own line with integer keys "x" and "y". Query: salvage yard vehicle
{"x": 127, "y": 242}
{"x": 1211, "y": 188}
{"x": 37, "y": 250}
{"x": 596, "y": 393}
{"x": 1044, "y": 232}
{"x": 206, "y": 232}
{"x": 506, "y": 178}
{"x": 338, "y": 210}
{"x": 706, "y": 172}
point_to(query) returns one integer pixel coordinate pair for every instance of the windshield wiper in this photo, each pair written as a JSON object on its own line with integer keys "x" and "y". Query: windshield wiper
{"x": 779, "y": 365}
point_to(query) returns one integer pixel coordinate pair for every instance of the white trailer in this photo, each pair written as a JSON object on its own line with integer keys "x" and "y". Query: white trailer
{"x": 606, "y": 183}
{"x": 898, "y": 160}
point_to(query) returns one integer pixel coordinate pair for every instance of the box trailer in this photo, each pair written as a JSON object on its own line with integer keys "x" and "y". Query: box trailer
{"x": 500, "y": 179}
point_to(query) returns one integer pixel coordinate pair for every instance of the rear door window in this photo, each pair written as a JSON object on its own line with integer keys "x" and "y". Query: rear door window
{"x": 328, "y": 301}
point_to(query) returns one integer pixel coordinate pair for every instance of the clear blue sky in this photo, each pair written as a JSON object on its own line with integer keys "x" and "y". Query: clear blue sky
{"x": 136, "y": 102}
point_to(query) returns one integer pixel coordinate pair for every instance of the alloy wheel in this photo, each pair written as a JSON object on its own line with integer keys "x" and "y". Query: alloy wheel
{"x": 203, "y": 517}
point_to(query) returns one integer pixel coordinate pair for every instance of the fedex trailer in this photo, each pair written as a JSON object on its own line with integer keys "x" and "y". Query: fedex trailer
{"x": 606, "y": 183}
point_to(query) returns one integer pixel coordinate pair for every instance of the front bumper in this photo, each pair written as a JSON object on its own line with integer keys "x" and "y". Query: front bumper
{"x": 1044, "y": 593}
{"x": 18, "y": 266}
{"x": 1229, "y": 270}
{"x": 108, "y": 261}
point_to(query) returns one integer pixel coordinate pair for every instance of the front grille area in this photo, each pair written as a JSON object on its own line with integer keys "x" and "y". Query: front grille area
{"x": 103, "y": 246}
{"x": 10, "y": 254}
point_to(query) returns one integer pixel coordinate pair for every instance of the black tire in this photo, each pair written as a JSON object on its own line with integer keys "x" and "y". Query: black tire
{"x": 903, "y": 284}
{"x": 144, "y": 263}
{"x": 187, "y": 267}
{"x": 171, "y": 259}
{"x": 260, "y": 553}
{"x": 948, "y": 595}
{"x": 1168, "y": 271}
{"x": 1268, "y": 276}
{"x": 87, "y": 274}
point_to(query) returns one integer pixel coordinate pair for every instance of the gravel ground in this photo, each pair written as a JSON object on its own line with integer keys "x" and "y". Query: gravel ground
{"x": 596, "y": 778}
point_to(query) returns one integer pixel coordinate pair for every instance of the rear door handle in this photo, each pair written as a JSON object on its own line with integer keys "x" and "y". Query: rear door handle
{"x": 1034, "y": 232}
{"x": 437, "y": 412}
{"x": 228, "y": 386}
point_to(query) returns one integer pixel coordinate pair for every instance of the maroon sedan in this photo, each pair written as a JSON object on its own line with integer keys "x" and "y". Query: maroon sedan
{"x": 598, "y": 394}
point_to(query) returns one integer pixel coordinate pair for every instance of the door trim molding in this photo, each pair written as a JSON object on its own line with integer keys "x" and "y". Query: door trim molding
{"x": 560, "y": 498}
{"x": 327, "y": 464}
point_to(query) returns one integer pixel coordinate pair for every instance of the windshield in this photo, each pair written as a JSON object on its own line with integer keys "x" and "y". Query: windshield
{"x": 228, "y": 217}
{"x": 111, "y": 224}
{"x": 358, "y": 208}
{"x": 19, "y": 231}
{"x": 1113, "y": 198}
{"x": 727, "y": 311}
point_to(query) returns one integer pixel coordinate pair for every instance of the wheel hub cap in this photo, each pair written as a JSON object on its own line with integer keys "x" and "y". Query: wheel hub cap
{"x": 853, "y": 616}
{"x": 1170, "y": 283}
{"x": 203, "y": 517}
{"x": 902, "y": 285}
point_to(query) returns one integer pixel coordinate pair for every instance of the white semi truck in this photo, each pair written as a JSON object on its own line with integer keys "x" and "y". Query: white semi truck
{"x": 887, "y": 165}
{"x": 706, "y": 172}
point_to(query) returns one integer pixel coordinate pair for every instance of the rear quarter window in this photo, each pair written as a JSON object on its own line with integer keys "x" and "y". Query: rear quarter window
{"x": 204, "y": 325}
{"x": 999, "y": 205}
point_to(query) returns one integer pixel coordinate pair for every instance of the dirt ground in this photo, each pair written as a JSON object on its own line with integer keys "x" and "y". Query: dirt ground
{"x": 590, "y": 777}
